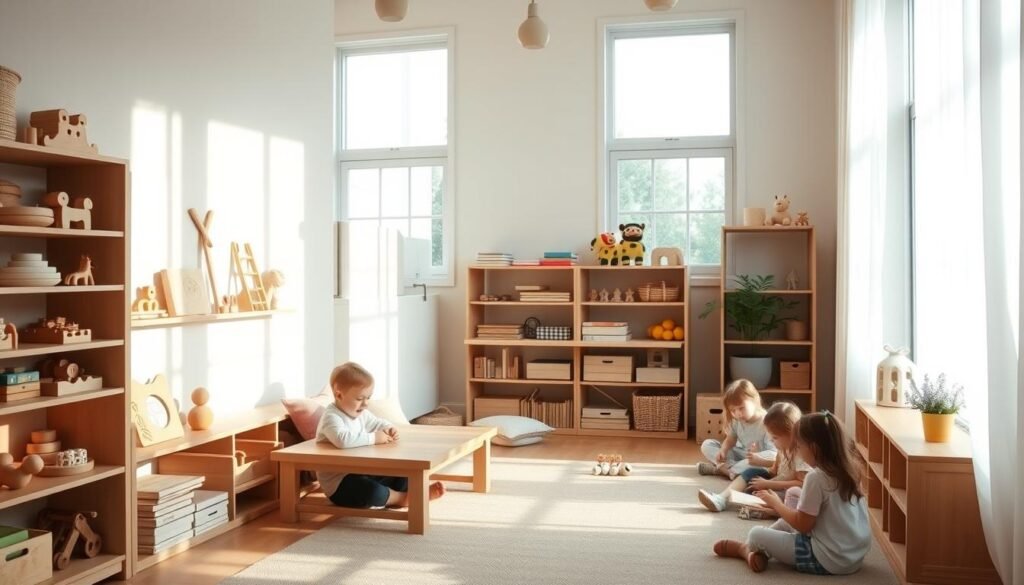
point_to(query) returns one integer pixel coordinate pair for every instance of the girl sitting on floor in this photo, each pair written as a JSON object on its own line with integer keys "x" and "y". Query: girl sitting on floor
{"x": 747, "y": 443}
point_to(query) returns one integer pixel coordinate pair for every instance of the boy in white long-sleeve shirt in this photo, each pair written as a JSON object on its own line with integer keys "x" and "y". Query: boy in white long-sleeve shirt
{"x": 347, "y": 423}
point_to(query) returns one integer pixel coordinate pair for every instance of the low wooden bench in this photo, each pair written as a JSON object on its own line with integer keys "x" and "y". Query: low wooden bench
{"x": 421, "y": 454}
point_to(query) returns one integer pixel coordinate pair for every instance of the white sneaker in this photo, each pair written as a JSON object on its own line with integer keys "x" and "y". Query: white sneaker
{"x": 707, "y": 468}
{"x": 713, "y": 502}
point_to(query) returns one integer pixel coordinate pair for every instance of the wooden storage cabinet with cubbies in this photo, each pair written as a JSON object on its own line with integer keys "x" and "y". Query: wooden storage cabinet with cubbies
{"x": 922, "y": 501}
{"x": 574, "y": 369}
{"x": 96, "y": 419}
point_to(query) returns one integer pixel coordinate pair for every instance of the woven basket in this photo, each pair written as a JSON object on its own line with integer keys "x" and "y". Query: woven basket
{"x": 442, "y": 416}
{"x": 9, "y": 80}
{"x": 658, "y": 292}
{"x": 656, "y": 412}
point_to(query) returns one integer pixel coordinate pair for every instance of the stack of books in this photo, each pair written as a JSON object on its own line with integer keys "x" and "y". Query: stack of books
{"x": 606, "y": 331}
{"x": 18, "y": 384}
{"x": 211, "y": 510}
{"x": 526, "y": 262}
{"x": 499, "y": 331}
{"x": 493, "y": 259}
{"x": 537, "y": 293}
{"x": 166, "y": 510}
{"x": 559, "y": 259}
{"x": 507, "y": 369}
{"x": 554, "y": 413}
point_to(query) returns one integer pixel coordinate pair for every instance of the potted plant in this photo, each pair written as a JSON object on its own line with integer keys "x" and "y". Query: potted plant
{"x": 938, "y": 406}
{"x": 754, "y": 315}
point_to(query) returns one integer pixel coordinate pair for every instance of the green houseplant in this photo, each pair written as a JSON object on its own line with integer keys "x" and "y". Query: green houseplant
{"x": 754, "y": 315}
{"x": 938, "y": 405}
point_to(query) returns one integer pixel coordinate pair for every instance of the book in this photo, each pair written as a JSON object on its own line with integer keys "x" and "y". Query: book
{"x": 154, "y": 536}
{"x": 745, "y": 499}
{"x": 531, "y": 287}
{"x": 205, "y": 498}
{"x": 620, "y": 330}
{"x": 557, "y": 262}
{"x": 608, "y": 338}
{"x": 158, "y": 487}
{"x": 605, "y": 324}
{"x": 526, "y": 263}
{"x": 569, "y": 255}
{"x": 166, "y": 518}
{"x": 153, "y": 549}
{"x": 150, "y": 510}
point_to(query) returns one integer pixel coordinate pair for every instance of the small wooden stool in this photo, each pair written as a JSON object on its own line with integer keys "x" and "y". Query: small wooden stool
{"x": 710, "y": 418}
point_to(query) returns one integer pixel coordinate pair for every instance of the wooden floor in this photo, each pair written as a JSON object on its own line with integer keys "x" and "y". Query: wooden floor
{"x": 228, "y": 554}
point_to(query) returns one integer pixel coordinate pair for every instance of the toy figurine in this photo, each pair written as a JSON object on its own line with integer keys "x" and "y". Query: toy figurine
{"x": 630, "y": 295}
{"x": 631, "y": 248}
{"x": 607, "y": 250}
{"x": 792, "y": 283}
{"x": 603, "y": 295}
{"x": 617, "y": 296}
{"x": 593, "y": 295}
{"x": 801, "y": 218}
{"x": 781, "y": 215}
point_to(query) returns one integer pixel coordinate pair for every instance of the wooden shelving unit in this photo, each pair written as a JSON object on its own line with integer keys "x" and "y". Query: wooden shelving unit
{"x": 922, "y": 500}
{"x": 159, "y": 322}
{"x": 578, "y": 280}
{"x": 95, "y": 420}
{"x": 773, "y": 250}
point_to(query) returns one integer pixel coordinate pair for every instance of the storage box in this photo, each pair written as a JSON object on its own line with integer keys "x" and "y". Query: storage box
{"x": 655, "y": 411}
{"x": 28, "y": 562}
{"x": 549, "y": 370}
{"x": 795, "y": 375}
{"x": 485, "y": 406}
{"x": 609, "y": 413}
{"x": 710, "y": 417}
{"x": 658, "y": 375}
{"x": 608, "y": 368}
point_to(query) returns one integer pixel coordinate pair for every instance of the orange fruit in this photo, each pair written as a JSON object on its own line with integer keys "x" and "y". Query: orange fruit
{"x": 668, "y": 324}
{"x": 650, "y": 331}
{"x": 678, "y": 333}
{"x": 657, "y": 331}
{"x": 667, "y": 335}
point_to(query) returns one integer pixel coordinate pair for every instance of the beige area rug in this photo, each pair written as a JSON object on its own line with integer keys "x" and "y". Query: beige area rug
{"x": 543, "y": 522}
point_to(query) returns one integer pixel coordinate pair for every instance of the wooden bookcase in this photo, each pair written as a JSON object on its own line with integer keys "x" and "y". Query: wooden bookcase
{"x": 922, "y": 499}
{"x": 210, "y": 453}
{"x": 579, "y": 280}
{"x": 96, "y": 420}
{"x": 774, "y": 250}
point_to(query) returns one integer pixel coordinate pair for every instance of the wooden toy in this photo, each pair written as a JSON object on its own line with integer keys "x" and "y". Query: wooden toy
{"x": 9, "y": 336}
{"x": 617, "y": 296}
{"x": 185, "y": 292}
{"x": 631, "y": 249}
{"x": 59, "y": 129}
{"x": 273, "y": 280}
{"x": 62, "y": 377}
{"x": 30, "y": 135}
{"x": 228, "y": 304}
{"x": 201, "y": 416}
{"x": 10, "y": 194}
{"x": 146, "y": 306}
{"x": 15, "y": 392}
{"x": 630, "y": 295}
{"x": 26, "y": 216}
{"x": 43, "y": 436}
{"x": 781, "y": 215}
{"x": 801, "y": 218}
{"x": 671, "y": 256}
{"x": 72, "y": 457}
{"x": 28, "y": 270}
{"x": 18, "y": 476}
{"x": 253, "y": 297}
{"x": 593, "y": 296}
{"x": 603, "y": 295}
{"x": 84, "y": 273}
{"x": 206, "y": 244}
{"x": 67, "y": 212}
{"x": 607, "y": 249}
{"x": 67, "y": 470}
{"x": 56, "y": 330}
{"x": 68, "y": 529}
{"x": 792, "y": 282}
{"x": 153, "y": 412}
{"x": 612, "y": 465}
{"x": 40, "y": 448}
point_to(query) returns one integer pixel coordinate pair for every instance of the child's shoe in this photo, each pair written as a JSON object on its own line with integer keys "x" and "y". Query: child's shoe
{"x": 748, "y": 513}
{"x": 712, "y": 502}
{"x": 707, "y": 468}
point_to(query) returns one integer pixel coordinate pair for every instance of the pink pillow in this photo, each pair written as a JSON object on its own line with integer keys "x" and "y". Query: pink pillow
{"x": 306, "y": 412}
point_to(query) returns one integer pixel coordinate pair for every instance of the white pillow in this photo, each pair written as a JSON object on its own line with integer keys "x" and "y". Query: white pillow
{"x": 513, "y": 430}
{"x": 388, "y": 409}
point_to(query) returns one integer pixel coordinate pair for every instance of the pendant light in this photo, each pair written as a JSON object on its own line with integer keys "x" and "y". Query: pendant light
{"x": 533, "y": 33}
{"x": 660, "y": 5}
{"x": 391, "y": 10}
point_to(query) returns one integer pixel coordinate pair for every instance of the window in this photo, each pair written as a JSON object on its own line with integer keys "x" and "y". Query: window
{"x": 394, "y": 139}
{"x": 670, "y": 134}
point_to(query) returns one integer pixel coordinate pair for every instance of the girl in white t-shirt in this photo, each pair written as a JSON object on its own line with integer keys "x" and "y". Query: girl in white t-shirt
{"x": 747, "y": 443}
{"x": 828, "y": 532}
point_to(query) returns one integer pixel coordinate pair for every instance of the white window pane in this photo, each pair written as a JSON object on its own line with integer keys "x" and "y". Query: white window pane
{"x": 363, "y": 193}
{"x": 394, "y": 192}
{"x": 670, "y": 184}
{"x": 707, "y": 184}
{"x": 672, "y": 86}
{"x": 400, "y": 225}
{"x": 427, "y": 189}
{"x": 705, "y": 238}
{"x": 431, "y": 229}
{"x": 670, "y": 229}
{"x": 396, "y": 99}
{"x": 634, "y": 184}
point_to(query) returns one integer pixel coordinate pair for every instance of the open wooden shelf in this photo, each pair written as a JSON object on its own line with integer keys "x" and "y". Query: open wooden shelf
{"x": 9, "y": 408}
{"x": 34, "y": 349}
{"x": 775, "y": 229}
{"x": 478, "y": 267}
{"x": 768, "y": 342}
{"x": 775, "y": 390}
{"x": 632, "y": 433}
{"x": 522, "y": 303}
{"x": 87, "y": 570}
{"x": 633, "y": 305}
{"x": 40, "y": 487}
{"x": 529, "y": 381}
{"x": 633, "y": 384}
{"x": 523, "y": 342}
{"x": 198, "y": 319}
{"x": 21, "y": 231}
{"x": 633, "y": 344}
{"x": 629, "y": 268}
{"x": 226, "y": 427}
{"x": 244, "y": 487}
{"x": 31, "y": 155}
{"x": 52, "y": 290}
{"x": 779, "y": 292}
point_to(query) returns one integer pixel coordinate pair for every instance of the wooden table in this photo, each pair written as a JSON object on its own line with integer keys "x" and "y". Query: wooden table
{"x": 420, "y": 454}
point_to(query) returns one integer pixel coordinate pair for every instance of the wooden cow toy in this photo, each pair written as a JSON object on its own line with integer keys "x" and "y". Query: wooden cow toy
{"x": 66, "y": 211}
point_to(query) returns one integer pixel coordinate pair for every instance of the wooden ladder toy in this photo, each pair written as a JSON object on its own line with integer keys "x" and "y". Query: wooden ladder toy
{"x": 243, "y": 265}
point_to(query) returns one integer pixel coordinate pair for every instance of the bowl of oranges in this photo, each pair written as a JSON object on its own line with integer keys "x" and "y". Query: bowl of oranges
{"x": 666, "y": 330}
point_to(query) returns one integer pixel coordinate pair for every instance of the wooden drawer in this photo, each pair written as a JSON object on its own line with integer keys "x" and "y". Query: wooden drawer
{"x": 35, "y": 563}
{"x": 608, "y": 368}
{"x": 795, "y": 375}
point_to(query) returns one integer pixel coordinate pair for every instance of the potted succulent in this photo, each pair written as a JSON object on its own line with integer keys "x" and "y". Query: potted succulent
{"x": 754, "y": 315}
{"x": 938, "y": 406}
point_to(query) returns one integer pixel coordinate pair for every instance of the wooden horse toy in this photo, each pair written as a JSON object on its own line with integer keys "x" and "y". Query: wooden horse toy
{"x": 84, "y": 273}
{"x": 66, "y": 211}
{"x": 68, "y": 528}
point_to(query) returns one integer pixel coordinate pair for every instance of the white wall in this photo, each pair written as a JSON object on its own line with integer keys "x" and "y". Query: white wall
{"x": 222, "y": 105}
{"x": 526, "y": 138}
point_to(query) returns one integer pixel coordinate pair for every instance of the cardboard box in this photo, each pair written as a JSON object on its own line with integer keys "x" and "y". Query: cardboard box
{"x": 485, "y": 406}
{"x": 795, "y": 375}
{"x": 658, "y": 375}
{"x": 608, "y": 368}
{"x": 549, "y": 370}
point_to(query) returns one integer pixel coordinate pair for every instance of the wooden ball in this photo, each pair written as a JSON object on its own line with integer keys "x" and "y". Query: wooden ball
{"x": 200, "y": 396}
{"x": 200, "y": 418}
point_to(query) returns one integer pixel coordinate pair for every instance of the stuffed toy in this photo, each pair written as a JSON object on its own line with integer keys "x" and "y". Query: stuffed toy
{"x": 631, "y": 248}
{"x": 611, "y": 465}
{"x": 801, "y": 218}
{"x": 607, "y": 250}
{"x": 17, "y": 477}
{"x": 781, "y": 215}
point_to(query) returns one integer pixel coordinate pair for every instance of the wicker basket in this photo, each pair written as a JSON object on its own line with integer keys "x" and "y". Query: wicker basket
{"x": 658, "y": 292}
{"x": 656, "y": 412}
{"x": 9, "y": 80}
{"x": 442, "y": 416}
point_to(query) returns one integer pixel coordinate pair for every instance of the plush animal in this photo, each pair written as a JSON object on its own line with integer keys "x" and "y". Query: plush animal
{"x": 781, "y": 215}
{"x": 606, "y": 248}
{"x": 631, "y": 248}
{"x": 801, "y": 218}
{"x": 611, "y": 465}
{"x": 17, "y": 477}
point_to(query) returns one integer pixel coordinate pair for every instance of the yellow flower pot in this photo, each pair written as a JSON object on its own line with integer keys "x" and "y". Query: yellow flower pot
{"x": 937, "y": 427}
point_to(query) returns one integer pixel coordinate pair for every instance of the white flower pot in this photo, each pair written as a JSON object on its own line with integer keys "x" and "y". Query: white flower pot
{"x": 756, "y": 369}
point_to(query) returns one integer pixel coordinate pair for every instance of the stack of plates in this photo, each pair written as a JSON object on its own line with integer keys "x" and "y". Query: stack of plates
{"x": 26, "y": 216}
{"x": 10, "y": 194}
{"x": 28, "y": 270}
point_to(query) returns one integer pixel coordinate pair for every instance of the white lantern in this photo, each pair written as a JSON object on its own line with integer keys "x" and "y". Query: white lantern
{"x": 895, "y": 374}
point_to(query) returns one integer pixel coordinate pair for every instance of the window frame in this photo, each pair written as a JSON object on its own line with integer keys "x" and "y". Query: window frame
{"x": 678, "y": 23}
{"x": 433, "y": 155}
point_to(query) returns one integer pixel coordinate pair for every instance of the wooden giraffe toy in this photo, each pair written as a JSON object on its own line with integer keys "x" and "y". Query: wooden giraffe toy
{"x": 58, "y": 128}
{"x": 66, "y": 211}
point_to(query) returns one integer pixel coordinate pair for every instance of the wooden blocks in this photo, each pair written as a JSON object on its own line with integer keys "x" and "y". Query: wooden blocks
{"x": 146, "y": 305}
{"x": 15, "y": 392}
{"x": 67, "y": 211}
{"x": 59, "y": 129}
{"x": 56, "y": 330}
